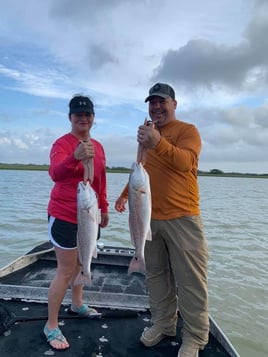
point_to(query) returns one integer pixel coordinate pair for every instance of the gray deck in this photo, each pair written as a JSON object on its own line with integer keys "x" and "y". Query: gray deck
{"x": 112, "y": 290}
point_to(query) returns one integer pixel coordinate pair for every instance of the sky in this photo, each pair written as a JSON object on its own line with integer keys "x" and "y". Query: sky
{"x": 213, "y": 53}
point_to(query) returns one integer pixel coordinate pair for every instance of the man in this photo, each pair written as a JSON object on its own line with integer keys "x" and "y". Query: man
{"x": 176, "y": 258}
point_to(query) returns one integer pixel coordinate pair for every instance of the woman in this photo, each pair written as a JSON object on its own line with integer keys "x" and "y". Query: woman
{"x": 66, "y": 170}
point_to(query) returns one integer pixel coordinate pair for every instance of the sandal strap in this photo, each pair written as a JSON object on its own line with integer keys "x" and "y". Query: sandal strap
{"x": 83, "y": 310}
{"x": 54, "y": 334}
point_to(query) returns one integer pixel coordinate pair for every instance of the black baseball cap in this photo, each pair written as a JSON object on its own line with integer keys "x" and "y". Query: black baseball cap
{"x": 81, "y": 104}
{"x": 161, "y": 90}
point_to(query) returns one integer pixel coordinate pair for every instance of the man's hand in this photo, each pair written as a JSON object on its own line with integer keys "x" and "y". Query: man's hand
{"x": 120, "y": 204}
{"x": 148, "y": 136}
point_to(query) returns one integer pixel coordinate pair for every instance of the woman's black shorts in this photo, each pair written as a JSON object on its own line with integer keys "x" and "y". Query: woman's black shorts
{"x": 63, "y": 234}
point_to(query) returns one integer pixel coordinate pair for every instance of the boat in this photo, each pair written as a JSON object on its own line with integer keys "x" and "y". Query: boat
{"x": 121, "y": 300}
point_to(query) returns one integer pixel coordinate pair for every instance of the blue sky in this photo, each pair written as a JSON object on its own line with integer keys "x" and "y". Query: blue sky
{"x": 214, "y": 54}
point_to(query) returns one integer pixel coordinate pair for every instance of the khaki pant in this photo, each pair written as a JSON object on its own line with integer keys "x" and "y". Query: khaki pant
{"x": 176, "y": 273}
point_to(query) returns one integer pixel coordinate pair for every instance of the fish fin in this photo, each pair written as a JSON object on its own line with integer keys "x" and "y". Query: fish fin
{"x": 142, "y": 190}
{"x": 95, "y": 253}
{"x": 99, "y": 216}
{"x": 136, "y": 265}
{"x": 82, "y": 279}
{"x": 94, "y": 214}
{"x": 132, "y": 238}
{"x": 90, "y": 215}
{"x": 149, "y": 234}
{"x": 133, "y": 166}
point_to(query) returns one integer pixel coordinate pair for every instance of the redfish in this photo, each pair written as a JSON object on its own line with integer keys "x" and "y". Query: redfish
{"x": 139, "y": 201}
{"x": 88, "y": 220}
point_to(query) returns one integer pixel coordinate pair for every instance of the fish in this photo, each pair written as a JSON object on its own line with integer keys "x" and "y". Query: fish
{"x": 139, "y": 203}
{"x": 88, "y": 220}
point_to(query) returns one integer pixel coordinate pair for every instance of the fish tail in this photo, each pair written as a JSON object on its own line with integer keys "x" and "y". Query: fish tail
{"x": 137, "y": 265}
{"x": 82, "y": 279}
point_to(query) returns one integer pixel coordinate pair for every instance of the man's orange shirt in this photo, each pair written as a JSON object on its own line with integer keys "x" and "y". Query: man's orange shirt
{"x": 172, "y": 168}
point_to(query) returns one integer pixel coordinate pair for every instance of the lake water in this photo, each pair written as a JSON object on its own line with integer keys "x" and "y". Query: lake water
{"x": 234, "y": 211}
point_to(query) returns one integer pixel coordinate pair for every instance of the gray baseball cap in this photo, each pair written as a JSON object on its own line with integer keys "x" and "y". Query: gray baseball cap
{"x": 161, "y": 90}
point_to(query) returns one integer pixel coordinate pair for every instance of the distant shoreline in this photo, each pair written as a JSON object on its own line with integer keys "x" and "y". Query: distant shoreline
{"x": 211, "y": 173}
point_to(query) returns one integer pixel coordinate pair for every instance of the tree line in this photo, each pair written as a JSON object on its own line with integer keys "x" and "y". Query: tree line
{"x": 120, "y": 169}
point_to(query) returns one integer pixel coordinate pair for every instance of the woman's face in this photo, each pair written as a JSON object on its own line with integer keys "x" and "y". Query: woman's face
{"x": 81, "y": 123}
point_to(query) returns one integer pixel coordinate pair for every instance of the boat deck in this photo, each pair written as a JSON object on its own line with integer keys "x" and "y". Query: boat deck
{"x": 111, "y": 285}
{"x": 121, "y": 298}
{"x": 106, "y": 336}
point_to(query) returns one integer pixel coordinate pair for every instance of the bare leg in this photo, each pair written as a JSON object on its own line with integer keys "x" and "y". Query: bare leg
{"x": 77, "y": 290}
{"x": 67, "y": 265}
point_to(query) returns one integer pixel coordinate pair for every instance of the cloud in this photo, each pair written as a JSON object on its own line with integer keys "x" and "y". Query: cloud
{"x": 215, "y": 56}
{"x": 203, "y": 63}
{"x": 26, "y": 148}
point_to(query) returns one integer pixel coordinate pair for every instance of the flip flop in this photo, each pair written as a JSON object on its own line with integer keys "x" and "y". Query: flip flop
{"x": 54, "y": 334}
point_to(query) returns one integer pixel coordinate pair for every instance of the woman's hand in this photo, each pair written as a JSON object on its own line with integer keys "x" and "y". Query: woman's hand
{"x": 104, "y": 220}
{"x": 84, "y": 151}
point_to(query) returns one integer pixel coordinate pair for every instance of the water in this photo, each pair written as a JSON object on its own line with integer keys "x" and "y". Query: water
{"x": 234, "y": 211}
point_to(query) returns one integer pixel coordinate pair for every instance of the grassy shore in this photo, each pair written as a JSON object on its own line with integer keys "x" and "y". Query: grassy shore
{"x": 213, "y": 173}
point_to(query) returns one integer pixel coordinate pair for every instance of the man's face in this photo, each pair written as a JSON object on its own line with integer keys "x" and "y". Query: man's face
{"x": 162, "y": 110}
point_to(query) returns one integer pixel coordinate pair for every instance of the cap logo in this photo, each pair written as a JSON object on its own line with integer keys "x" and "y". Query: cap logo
{"x": 80, "y": 104}
{"x": 162, "y": 90}
{"x": 156, "y": 87}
